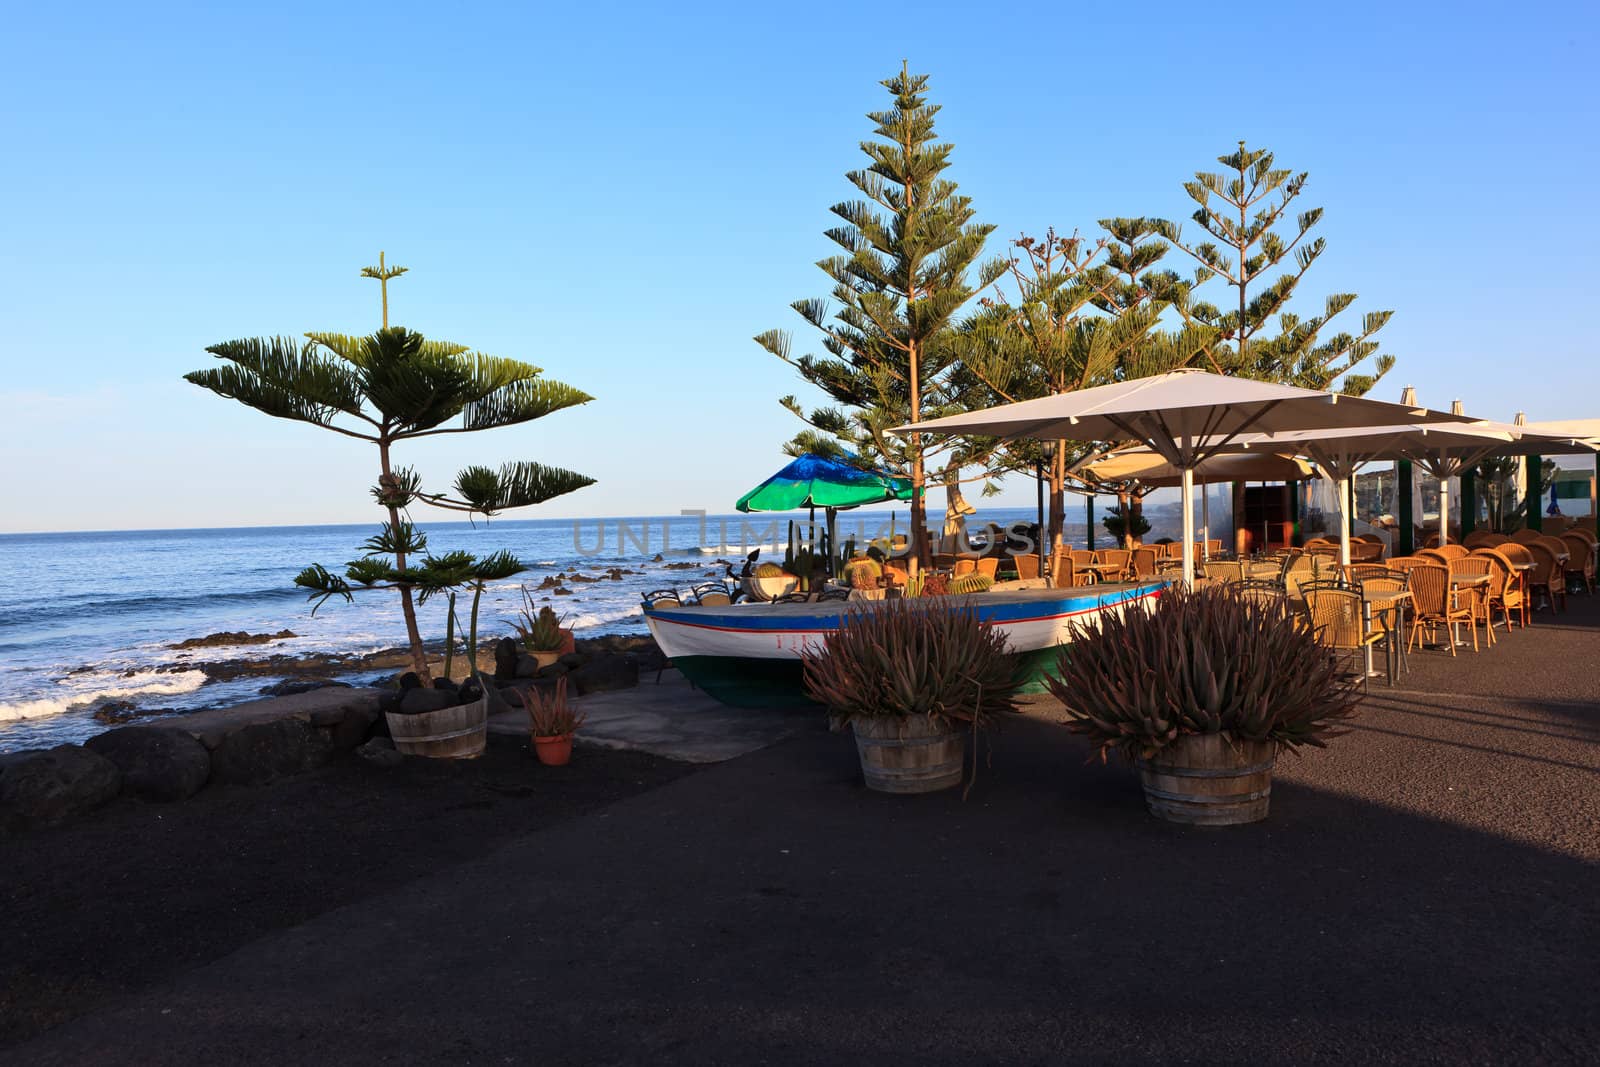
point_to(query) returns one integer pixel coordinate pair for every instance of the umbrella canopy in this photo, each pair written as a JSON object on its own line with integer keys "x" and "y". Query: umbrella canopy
{"x": 1148, "y": 468}
{"x": 1186, "y": 416}
{"x": 1444, "y": 450}
{"x": 816, "y": 481}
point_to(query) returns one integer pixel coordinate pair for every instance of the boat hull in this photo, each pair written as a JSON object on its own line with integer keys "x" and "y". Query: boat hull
{"x": 748, "y": 655}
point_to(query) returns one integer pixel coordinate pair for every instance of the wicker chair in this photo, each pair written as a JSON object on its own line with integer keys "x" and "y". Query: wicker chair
{"x": 1547, "y": 575}
{"x": 1027, "y": 566}
{"x": 1505, "y": 587}
{"x": 1337, "y": 622}
{"x": 1366, "y": 551}
{"x": 1065, "y": 575}
{"x": 1392, "y": 617}
{"x": 1476, "y": 597}
{"x": 1521, "y": 561}
{"x": 1479, "y": 539}
{"x": 1525, "y": 535}
{"x": 1081, "y": 557}
{"x": 1119, "y": 562}
{"x": 663, "y": 598}
{"x": 1434, "y": 603}
{"x": 1580, "y": 565}
{"x": 989, "y": 567}
{"x": 1225, "y": 572}
{"x": 712, "y": 595}
{"x": 1452, "y": 551}
{"x": 1143, "y": 562}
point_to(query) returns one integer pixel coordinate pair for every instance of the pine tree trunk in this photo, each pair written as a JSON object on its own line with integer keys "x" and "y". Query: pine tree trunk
{"x": 1058, "y": 497}
{"x": 419, "y": 658}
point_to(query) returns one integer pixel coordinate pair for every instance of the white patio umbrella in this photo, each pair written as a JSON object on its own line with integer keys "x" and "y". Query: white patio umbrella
{"x": 1444, "y": 450}
{"x": 1187, "y": 416}
{"x": 1150, "y": 468}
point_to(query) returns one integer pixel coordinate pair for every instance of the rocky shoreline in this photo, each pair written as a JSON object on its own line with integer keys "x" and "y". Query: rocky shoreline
{"x": 304, "y": 672}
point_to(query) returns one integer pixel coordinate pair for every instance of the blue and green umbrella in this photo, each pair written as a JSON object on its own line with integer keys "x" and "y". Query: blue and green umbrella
{"x": 814, "y": 481}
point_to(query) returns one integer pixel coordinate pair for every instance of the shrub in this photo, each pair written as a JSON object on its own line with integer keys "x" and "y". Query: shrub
{"x": 1203, "y": 662}
{"x": 913, "y": 657}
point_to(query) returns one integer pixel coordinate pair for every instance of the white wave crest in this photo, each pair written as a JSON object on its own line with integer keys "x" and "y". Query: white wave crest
{"x": 79, "y": 691}
{"x": 589, "y": 620}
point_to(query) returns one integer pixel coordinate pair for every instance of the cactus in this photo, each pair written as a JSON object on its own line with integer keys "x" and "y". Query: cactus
{"x": 769, "y": 570}
{"x": 1204, "y": 662}
{"x": 863, "y": 573}
{"x": 970, "y": 583}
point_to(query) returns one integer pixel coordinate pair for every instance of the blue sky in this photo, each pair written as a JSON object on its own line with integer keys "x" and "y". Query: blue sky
{"x": 624, "y": 195}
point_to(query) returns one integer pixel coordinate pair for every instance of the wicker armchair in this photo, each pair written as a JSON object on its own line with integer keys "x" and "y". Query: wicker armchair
{"x": 1505, "y": 587}
{"x": 1027, "y": 566}
{"x": 1580, "y": 564}
{"x": 1547, "y": 576}
{"x": 1119, "y": 562}
{"x": 989, "y": 567}
{"x": 1475, "y": 597}
{"x": 712, "y": 594}
{"x": 1525, "y": 535}
{"x": 1434, "y": 603}
{"x": 1225, "y": 572}
{"x": 1065, "y": 575}
{"x": 1479, "y": 539}
{"x": 1338, "y": 623}
{"x": 1143, "y": 562}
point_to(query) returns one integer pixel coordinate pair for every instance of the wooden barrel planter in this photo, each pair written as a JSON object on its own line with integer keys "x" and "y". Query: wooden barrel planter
{"x": 450, "y": 733}
{"x": 912, "y": 755}
{"x": 1206, "y": 780}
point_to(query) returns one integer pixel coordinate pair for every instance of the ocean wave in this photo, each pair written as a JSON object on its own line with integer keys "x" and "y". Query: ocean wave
{"x": 102, "y": 606}
{"x": 589, "y": 620}
{"x": 83, "y": 690}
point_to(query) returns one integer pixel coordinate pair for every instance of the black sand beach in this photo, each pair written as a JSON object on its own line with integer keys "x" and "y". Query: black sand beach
{"x": 1424, "y": 892}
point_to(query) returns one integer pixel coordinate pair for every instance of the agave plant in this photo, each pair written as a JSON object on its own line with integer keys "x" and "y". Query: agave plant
{"x": 1203, "y": 662}
{"x": 913, "y": 657}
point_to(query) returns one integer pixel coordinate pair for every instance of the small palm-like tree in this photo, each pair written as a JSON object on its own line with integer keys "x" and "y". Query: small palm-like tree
{"x": 392, "y": 386}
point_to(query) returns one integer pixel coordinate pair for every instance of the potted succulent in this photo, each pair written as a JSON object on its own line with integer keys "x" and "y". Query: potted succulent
{"x": 911, "y": 677}
{"x": 551, "y": 722}
{"x": 1202, "y": 691}
{"x": 540, "y": 632}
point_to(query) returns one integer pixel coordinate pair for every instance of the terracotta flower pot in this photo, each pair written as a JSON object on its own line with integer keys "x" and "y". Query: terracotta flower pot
{"x": 553, "y": 751}
{"x": 544, "y": 659}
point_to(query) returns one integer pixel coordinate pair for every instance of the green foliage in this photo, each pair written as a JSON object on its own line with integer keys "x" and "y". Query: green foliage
{"x": 391, "y": 386}
{"x": 1249, "y": 235}
{"x": 1204, "y": 662}
{"x": 899, "y": 279}
{"x": 538, "y": 628}
{"x": 913, "y": 657}
{"x": 549, "y": 715}
{"x": 1134, "y": 524}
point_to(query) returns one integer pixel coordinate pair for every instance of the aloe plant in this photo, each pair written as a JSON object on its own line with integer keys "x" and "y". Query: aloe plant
{"x": 1203, "y": 662}
{"x": 913, "y": 657}
{"x": 549, "y": 715}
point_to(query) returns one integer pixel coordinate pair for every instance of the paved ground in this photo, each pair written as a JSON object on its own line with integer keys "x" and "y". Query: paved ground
{"x": 672, "y": 719}
{"x": 1424, "y": 892}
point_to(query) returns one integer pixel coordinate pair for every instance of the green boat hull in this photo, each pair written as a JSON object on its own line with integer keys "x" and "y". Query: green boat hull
{"x": 777, "y": 683}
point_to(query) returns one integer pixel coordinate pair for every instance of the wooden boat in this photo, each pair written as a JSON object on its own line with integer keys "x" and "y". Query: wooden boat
{"x": 748, "y": 655}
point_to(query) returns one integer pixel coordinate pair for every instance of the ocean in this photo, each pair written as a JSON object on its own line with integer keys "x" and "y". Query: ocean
{"x": 87, "y": 619}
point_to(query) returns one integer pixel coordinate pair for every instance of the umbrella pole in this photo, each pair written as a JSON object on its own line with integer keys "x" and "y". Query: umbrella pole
{"x": 1444, "y": 510}
{"x": 1205, "y": 523}
{"x": 833, "y": 537}
{"x": 1344, "y": 519}
{"x": 1188, "y": 526}
{"x": 1038, "y": 471}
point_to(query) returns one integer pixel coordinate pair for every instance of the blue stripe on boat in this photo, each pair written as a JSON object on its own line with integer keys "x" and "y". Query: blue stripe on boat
{"x": 756, "y": 617}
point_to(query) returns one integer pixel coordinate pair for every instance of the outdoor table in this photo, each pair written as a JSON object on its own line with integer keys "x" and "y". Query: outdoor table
{"x": 1384, "y": 600}
{"x": 1102, "y": 569}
